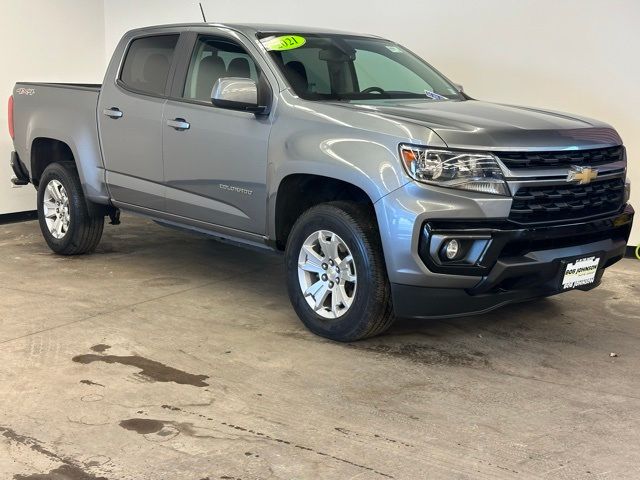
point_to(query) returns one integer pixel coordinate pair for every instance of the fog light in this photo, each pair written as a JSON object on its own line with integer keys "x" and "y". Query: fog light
{"x": 451, "y": 249}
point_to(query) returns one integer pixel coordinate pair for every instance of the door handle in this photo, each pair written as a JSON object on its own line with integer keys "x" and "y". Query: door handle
{"x": 179, "y": 124}
{"x": 113, "y": 112}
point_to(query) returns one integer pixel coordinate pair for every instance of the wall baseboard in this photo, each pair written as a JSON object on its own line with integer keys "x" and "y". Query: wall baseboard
{"x": 18, "y": 217}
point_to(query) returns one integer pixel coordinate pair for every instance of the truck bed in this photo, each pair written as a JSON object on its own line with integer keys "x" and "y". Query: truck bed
{"x": 65, "y": 112}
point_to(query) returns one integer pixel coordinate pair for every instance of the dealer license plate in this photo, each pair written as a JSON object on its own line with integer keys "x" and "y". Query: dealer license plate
{"x": 580, "y": 272}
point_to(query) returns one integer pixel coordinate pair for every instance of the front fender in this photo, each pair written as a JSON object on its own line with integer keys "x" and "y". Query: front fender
{"x": 360, "y": 148}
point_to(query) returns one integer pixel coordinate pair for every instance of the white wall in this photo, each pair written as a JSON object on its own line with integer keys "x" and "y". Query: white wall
{"x": 577, "y": 56}
{"x": 44, "y": 40}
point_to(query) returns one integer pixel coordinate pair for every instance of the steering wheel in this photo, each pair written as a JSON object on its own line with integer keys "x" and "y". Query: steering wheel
{"x": 373, "y": 89}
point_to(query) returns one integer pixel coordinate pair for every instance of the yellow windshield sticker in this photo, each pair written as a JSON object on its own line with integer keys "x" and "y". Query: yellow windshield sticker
{"x": 285, "y": 42}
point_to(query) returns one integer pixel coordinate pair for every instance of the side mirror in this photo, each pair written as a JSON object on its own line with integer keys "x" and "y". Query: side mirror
{"x": 236, "y": 93}
{"x": 459, "y": 87}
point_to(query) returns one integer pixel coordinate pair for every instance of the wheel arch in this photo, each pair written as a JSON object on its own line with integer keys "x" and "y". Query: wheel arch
{"x": 44, "y": 152}
{"x": 47, "y": 146}
{"x": 293, "y": 197}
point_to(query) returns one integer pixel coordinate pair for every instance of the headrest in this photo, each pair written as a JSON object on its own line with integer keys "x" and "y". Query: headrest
{"x": 239, "y": 67}
{"x": 297, "y": 75}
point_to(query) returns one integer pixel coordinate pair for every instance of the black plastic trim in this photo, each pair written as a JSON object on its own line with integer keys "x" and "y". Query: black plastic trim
{"x": 510, "y": 240}
{"x": 529, "y": 278}
{"x": 563, "y": 158}
{"x": 19, "y": 169}
{"x": 87, "y": 87}
{"x": 425, "y": 303}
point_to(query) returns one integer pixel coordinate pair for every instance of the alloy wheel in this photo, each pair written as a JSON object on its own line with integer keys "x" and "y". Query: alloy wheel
{"x": 327, "y": 274}
{"x": 56, "y": 209}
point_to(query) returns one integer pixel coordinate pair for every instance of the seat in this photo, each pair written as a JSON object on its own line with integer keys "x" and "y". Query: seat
{"x": 297, "y": 75}
{"x": 154, "y": 73}
{"x": 210, "y": 69}
{"x": 239, "y": 67}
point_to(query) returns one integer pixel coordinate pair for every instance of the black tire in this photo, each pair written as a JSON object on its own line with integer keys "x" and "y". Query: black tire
{"x": 85, "y": 220}
{"x": 371, "y": 312}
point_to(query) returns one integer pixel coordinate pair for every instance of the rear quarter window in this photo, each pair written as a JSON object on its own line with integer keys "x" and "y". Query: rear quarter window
{"x": 147, "y": 63}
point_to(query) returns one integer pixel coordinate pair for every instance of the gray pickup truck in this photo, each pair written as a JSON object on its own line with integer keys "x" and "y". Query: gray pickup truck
{"x": 391, "y": 192}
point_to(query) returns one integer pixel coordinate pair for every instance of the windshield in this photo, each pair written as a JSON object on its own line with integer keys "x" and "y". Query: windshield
{"x": 342, "y": 67}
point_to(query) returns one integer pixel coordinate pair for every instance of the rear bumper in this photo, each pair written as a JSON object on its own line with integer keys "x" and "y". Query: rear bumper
{"x": 19, "y": 170}
{"x": 513, "y": 264}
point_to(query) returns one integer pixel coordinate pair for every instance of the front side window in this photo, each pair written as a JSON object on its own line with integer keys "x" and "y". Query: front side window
{"x": 146, "y": 65}
{"x": 345, "y": 67}
{"x": 214, "y": 58}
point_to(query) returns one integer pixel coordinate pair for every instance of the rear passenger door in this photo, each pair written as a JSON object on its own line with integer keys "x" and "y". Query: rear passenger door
{"x": 215, "y": 160}
{"x": 130, "y": 121}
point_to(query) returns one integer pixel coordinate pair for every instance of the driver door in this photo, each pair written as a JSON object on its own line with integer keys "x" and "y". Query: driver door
{"x": 215, "y": 160}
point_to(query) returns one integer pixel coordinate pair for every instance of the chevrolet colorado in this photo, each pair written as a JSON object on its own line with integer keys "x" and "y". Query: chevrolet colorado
{"x": 391, "y": 192}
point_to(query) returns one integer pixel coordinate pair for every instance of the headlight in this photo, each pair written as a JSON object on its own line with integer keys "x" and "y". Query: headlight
{"x": 478, "y": 172}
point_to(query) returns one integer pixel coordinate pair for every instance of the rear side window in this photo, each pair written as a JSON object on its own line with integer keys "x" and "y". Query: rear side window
{"x": 146, "y": 66}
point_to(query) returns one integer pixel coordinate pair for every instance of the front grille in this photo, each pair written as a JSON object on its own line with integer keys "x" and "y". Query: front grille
{"x": 598, "y": 156}
{"x": 566, "y": 202}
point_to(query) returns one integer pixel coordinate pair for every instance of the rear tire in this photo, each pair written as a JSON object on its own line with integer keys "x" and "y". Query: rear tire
{"x": 69, "y": 224}
{"x": 362, "y": 308}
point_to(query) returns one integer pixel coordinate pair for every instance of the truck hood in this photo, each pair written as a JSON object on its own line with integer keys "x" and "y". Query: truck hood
{"x": 473, "y": 124}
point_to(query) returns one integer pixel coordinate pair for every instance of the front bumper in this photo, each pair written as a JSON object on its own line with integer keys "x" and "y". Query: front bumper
{"x": 511, "y": 264}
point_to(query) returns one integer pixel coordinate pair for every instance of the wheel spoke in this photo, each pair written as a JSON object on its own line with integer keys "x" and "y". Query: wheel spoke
{"x": 333, "y": 246}
{"x": 344, "y": 263}
{"x": 346, "y": 299}
{"x": 49, "y": 209}
{"x": 329, "y": 247}
{"x": 347, "y": 276}
{"x": 53, "y": 191}
{"x": 311, "y": 268}
{"x": 313, "y": 261}
{"x": 321, "y": 296}
{"x": 313, "y": 289}
{"x": 346, "y": 268}
{"x": 337, "y": 300}
{"x": 57, "y": 224}
{"x": 324, "y": 245}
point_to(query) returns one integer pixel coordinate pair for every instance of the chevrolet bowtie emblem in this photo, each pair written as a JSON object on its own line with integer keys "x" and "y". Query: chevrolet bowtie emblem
{"x": 582, "y": 175}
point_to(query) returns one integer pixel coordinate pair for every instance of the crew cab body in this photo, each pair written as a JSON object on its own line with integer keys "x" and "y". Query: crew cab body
{"x": 149, "y": 140}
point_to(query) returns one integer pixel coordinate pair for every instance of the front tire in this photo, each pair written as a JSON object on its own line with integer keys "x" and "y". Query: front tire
{"x": 69, "y": 224}
{"x": 336, "y": 275}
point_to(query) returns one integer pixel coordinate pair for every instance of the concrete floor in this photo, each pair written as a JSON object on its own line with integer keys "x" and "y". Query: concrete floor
{"x": 168, "y": 356}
